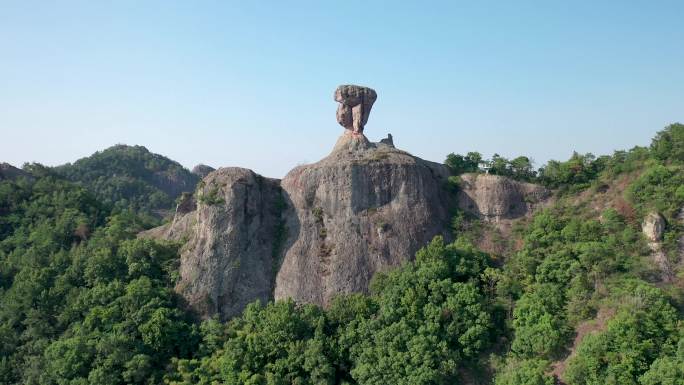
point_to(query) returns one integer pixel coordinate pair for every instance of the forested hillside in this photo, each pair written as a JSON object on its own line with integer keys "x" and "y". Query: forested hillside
{"x": 131, "y": 178}
{"x": 581, "y": 296}
{"x": 80, "y": 297}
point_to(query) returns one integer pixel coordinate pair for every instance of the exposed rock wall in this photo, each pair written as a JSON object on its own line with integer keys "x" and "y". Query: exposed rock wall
{"x": 326, "y": 228}
{"x": 653, "y": 229}
{"x": 228, "y": 260}
{"x": 362, "y": 209}
{"x": 496, "y": 198}
{"x": 365, "y": 208}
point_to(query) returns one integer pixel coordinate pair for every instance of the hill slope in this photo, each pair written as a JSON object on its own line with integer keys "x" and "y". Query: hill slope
{"x": 131, "y": 177}
{"x": 588, "y": 286}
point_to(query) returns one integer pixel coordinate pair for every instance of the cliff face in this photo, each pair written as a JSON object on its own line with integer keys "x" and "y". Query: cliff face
{"x": 326, "y": 228}
{"x": 364, "y": 208}
{"x": 498, "y": 199}
{"x": 228, "y": 260}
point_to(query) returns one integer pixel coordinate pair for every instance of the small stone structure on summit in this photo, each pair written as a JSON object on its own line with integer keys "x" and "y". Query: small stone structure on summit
{"x": 388, "y": 140}
{"x": 355, "y": 106}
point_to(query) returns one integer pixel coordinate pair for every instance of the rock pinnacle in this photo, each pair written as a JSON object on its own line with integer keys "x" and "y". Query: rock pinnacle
{"x": 355, "y": 106}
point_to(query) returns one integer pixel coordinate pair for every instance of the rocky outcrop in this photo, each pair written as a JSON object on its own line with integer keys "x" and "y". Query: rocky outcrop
{"x": 362, "y": 209}
{"x": 202, "y": 170}
{"x": 496, "y": 199}
{"x": 498, "y": 203}
{"x": 653, "y": 229}
{"x": 355, "y": 106}
{"x": 327, "y": 227}
{"x": 232, "y": 241}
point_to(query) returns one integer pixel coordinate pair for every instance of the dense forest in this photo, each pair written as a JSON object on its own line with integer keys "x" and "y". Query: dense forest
{"x": 131, "y": 178}
{"x": 84, "y": 301}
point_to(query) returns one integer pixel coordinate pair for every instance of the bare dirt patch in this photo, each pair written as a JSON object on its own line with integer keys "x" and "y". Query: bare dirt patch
{"x": 595, "y": 325}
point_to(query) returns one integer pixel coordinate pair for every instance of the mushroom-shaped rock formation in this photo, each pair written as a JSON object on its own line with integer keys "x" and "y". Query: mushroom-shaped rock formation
{"x": 496, "y": 198}
{"x": 365, "y": 208}
{"x": 355, "y": 106}
{"x": 325, "y": 229}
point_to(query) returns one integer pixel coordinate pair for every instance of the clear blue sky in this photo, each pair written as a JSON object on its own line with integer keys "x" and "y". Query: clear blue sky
{"x": 250, "y": 83}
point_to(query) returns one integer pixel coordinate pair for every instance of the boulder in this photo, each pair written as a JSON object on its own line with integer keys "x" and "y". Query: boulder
{"x": 327, "y": 227}
{"x": 355, "y": 106}
{"x": 653, "y": 227}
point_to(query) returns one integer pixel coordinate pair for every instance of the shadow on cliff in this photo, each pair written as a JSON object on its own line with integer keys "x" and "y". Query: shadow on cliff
{"x": 287, "y": 233}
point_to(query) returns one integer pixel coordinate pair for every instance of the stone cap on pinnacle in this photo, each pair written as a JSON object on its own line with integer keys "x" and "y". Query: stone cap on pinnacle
{"x": 355, "y": 106}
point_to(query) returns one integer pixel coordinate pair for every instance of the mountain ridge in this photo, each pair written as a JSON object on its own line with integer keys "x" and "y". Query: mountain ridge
{"x": 131, "y": 177}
